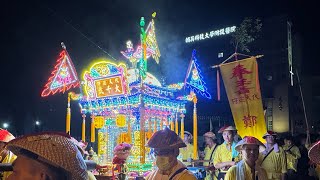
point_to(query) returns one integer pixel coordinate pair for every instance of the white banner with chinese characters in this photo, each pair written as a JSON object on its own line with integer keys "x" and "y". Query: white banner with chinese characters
{"x": 241, "y": 81}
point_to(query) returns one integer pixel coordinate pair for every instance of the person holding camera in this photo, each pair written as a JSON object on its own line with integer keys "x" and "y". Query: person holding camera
{"x": 292, "y": 156}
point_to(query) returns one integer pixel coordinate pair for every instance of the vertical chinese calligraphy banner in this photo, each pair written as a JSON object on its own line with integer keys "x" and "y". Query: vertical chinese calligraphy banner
{"x": 242, "y": 85}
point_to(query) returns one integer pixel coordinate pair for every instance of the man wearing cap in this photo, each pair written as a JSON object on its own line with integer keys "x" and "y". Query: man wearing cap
{"x": 211, "y": 146}
{"x": 226, "y": 154}
{"x": 47, "y": 156}
{"x": 5, "y": 155}
{"x": 187, "y": 152}
{"x": 166, "y": 144}
{"x": 273, "y": 158}
{"x": 292, "y": 156}
{"x": 247, "y": 169}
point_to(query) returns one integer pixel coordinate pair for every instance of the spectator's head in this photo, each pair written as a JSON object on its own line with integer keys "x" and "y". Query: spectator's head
{"x": 249, "y": 147}
{"x": 228, "y": 133}
{"x": 270, "y": 137}
{"x": 47, "y": 156}
{"x": 187, "y": 137}
{"x": 210, "y": 138}
{"x": 288, "y": 140}
{"x": 166, "y": 144}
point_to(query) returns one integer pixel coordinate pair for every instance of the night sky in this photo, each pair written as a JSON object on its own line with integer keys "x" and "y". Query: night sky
{"x": 32, "y": 31}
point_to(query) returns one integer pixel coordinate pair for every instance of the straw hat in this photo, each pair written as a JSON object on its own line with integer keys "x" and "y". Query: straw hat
{"x": 5, "y": 136}
{"x": 227, "y": 128}
{"x": 269, "y": 133}
{"x": 56, "y": 149}
{"x": 210, "y": 135}
{"x": 314, "y": 153}
{"x": 165, "y": 139}
{"x": 249, "y": 140}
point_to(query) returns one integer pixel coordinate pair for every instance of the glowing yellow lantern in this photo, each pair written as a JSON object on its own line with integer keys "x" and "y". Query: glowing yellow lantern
{"x": 121, "y": 120}
{"x": 123, "y": 138}
{"x": 98, "y": 122}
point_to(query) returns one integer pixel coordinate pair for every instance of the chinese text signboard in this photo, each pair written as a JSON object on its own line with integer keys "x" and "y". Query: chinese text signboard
{"x": 243, "y": 91}
{"x": 111, "y": 86}
{"x": 210, "y": 34}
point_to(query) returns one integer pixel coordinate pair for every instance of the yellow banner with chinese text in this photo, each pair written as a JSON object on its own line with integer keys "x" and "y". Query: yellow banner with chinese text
{"x": 241, "y": 81}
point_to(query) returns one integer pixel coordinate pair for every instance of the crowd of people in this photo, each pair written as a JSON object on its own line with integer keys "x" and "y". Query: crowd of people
{"x": 57, "y": 156}
{"x": 247, "y": 158}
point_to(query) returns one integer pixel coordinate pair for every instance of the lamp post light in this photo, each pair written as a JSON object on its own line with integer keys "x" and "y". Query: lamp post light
{"x": 37, "y": 126}
{"x": 5, "y": 125}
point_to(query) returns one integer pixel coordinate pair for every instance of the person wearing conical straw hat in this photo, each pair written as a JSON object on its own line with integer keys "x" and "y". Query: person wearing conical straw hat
{"x": 47, "y": 156}
{"x": 273, "y": 158}
{"x": 226, "y": 154}
{"x": 247, "y": 169}
{"x": 187, "y": 152}
{"x": 211, "y": 146}
{"x": 5, "y": 155}
{"x": 166, "y": 144}
{"x": 314, "y": 155}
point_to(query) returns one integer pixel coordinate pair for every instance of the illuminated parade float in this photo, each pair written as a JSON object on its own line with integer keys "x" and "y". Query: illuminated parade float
{"x": 127, "y": 105}
{"x": 125, "y": 110}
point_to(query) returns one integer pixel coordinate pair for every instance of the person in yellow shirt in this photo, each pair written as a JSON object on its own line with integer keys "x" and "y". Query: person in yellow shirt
{"x": 211, "y": 146}
{"x": 273, "y": 158}
{"x": 166, "y": 144}
{"x": 247, "y": 169}
{"x": 226, "y": 154}
{"x": 187, "y": 152}
{"x": 292, "y": 156}
{"x": 6, "y": 156}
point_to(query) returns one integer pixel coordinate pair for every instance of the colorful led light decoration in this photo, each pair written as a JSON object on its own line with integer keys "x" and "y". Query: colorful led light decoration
{"x": 176, "y": 86}
{"x": 135, "y": 55}
{"x": 194, "y": 79}
{"x": 63, "y": 77}
{"x": 105, "y": 79}
{"x": 133, "y": 76}
{"x": 151, "y": 41}
{"x": 150, "y": 45}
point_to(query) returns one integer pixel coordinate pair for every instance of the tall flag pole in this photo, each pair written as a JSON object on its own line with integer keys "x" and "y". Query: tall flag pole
{"x": 143, "y": 59}
{"x": 194, "y": 81}
{"x": 148, "y": 42}
{"x": 143, "y": 74}
{"x": 195, "y": 127}
{"x": 63, "y": 77}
